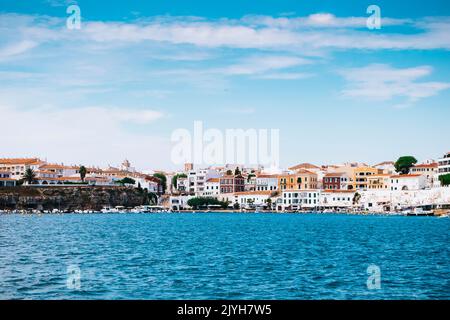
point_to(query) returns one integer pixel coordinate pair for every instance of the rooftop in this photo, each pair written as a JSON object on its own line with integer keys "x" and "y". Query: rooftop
{"x": 304, "y": 166}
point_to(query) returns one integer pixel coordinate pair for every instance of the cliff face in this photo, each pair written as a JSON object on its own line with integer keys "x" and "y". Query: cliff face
{"x": 69, "y": 198}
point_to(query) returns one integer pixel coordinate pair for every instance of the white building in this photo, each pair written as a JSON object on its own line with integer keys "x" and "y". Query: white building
{"x": 6, "y": 180}
{"x": 17, "y": 167}
{"x": 336, "y": 199}
{"x": 429, "y": 170}
{"x": 408, "y": 182}
{"x": 197, "y": 179}
{"x": 444, "y": 165}
{"x": 212, "y": 188}
{"x": 179, "y": 202}
{"x": 300, "y": 199}
{"x": 266, "y": 182}
{"x": 252, "y": 199}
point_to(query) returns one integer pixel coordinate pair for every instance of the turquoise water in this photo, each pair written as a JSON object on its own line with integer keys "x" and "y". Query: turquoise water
{"x": 223, "y": 256}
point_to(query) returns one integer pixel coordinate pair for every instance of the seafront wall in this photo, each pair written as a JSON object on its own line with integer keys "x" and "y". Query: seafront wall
{"x": 69, "y": 198}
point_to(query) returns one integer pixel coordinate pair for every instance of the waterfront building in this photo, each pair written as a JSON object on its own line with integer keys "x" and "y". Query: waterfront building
{"x": 379, "y": 181}
{"x": 444, "y": 165}
{"x": 212, "y": 188}
{"x": 179, "y": 202}
{"x": 408, "y": 182}
{"x": 266, "y": 182}
{"x": 197, "y": 178}
{"x": 252, "y": 199}
{"x": 360, "y": 176}
{"x": 6, "y": 180}
{"x": 301, "y": 180}
{"x": 300, "y": 199}
{"x": 319, "y": 171}
{"x": 336, "y": 199}
{"x": 232, "y": 184}
{"x": 18, "y": 166}
{"x": 336, "y": 181}
{"x": 429, "y": 170}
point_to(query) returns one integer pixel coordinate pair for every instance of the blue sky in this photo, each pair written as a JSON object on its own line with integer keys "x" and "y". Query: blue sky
{"x": 137, "y": 70}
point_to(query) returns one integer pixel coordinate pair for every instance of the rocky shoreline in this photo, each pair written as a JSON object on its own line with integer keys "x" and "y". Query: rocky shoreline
{"x": 69, "y": 199}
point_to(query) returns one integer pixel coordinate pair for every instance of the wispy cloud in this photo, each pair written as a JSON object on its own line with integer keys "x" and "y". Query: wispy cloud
{"x": 14, "y": 49}
{"x": 383, "y": 82}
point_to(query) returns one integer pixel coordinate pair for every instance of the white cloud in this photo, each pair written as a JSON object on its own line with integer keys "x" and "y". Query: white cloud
{"x": 318, "y": 20}
{"x": 88, "y": 135}
{"x": 261, "y": 64}
{"x": 383, "y": 82}
{"x": 317, "y": 31}
{"x": 15, "y": 49}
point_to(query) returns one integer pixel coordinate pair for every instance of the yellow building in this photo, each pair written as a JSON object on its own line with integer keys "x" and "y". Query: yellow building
{"x": 378, "y": 181}
{"x": 301, "y": 180}
{"x": 360, "y": 177}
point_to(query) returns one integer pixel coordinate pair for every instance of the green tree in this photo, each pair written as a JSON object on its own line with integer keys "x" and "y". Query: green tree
{"x": 82, "y": 172}
{"x": 163, "y": 179}
{"x": 126, "y": 180}
{"x": 403, "y": 164}
{"x": 29, "y": 176}
{"x": 445, "y": 179}
{"x": 229, "y": 173}
{"x": 236, "y": 206}
{"x": 237, "y": 171}
{"x": 203, "y": 202}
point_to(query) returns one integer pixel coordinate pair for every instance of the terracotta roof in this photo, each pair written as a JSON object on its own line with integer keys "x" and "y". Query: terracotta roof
{"x": 52, "y": 166}
{"x": 46, "y": 172}
{"x": 338, "y": 191}
{"x": 304, "y": 166}
{"x": 426, "y": 165}
{"x": 406, "y": 176}
{"x": 22, "y": 161}
{"x": 298, "y": 172}
{"x": 334, "y": 174}
{"x": 7, "y": 179}
{"x": 267, "y": 176}
{"x": 213, "y": 180}
{"x": 256, "y": 193}
{"x": 303, "y": 190}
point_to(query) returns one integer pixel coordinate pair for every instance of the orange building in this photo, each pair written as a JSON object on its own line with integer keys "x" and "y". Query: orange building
{"x": 301, "y": 180}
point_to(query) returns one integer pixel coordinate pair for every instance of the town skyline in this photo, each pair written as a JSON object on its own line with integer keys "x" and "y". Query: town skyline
{"x": 135, "y": 72}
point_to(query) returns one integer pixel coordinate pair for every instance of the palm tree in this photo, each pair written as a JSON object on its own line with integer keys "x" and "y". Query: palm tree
{"x": 83, "y": 172}
{"x": 29, "y": 176}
